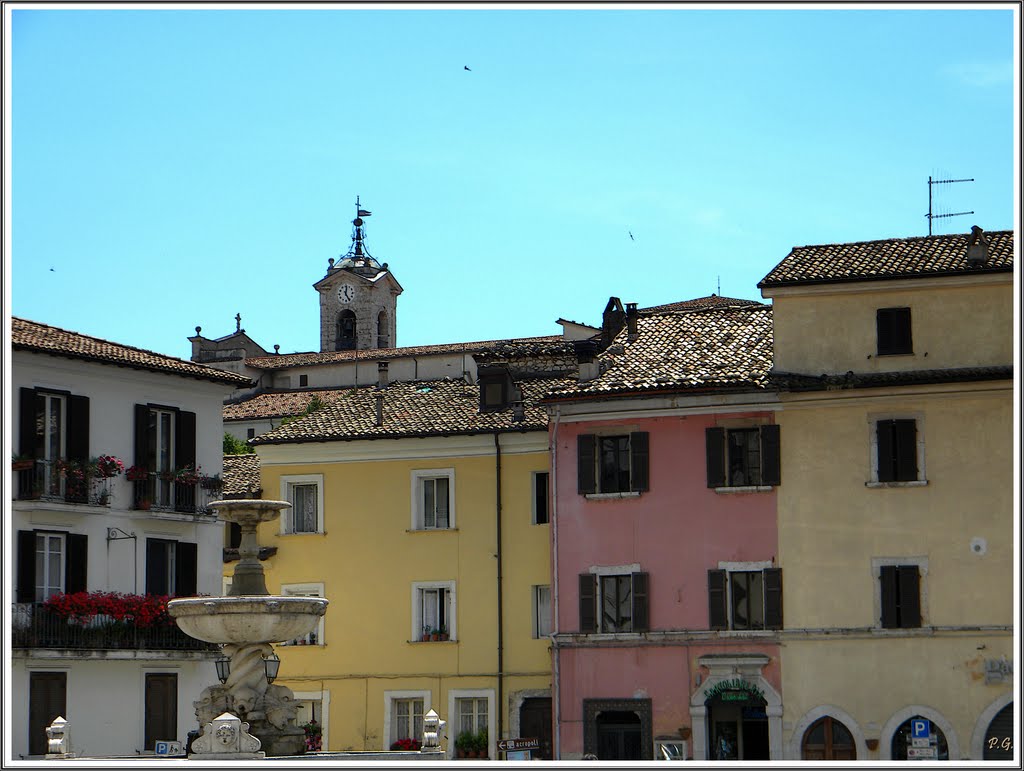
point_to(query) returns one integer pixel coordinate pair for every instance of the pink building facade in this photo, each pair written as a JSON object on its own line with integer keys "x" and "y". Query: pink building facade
{"x": 668, "y": 591}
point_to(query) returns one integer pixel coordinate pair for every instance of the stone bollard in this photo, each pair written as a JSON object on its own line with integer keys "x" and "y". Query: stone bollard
{"x": 432, "y": 727}
{"x": 58, "y": 739}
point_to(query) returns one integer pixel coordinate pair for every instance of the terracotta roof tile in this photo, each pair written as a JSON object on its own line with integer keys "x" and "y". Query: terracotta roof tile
{"x": 721, "y": 348}
{"x": 896, "y": 258}
{"x": 284, "y": 361}
{"x": 40, "y": 338}
{"x": 413, "y": 409}
{"x": 699, "y": 303}
{"x": 242, "y": 476}
{"x": 278, "y": 404}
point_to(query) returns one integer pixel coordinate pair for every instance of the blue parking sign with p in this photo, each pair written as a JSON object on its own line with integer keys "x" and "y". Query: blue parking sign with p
{"x": 920, "y": 728}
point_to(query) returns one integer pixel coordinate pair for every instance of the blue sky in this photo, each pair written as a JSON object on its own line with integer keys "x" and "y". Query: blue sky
{"x": 173, "y": 167}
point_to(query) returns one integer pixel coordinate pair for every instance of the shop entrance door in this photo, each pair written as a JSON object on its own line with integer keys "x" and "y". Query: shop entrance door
{"x": 738, "y": 730}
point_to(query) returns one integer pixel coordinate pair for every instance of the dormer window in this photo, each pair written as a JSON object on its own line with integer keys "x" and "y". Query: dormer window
{"x": 495, "y": 389}
{"x": 894, "y": 331}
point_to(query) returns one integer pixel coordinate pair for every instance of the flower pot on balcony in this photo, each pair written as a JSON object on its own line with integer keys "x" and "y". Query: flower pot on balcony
{"x": 144, "y": 504}
{"x": 22, "y": 465}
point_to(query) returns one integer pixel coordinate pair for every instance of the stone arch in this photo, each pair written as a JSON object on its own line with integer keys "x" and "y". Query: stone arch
{"x": 981, "y": 727}
{"x": 745, "y": 667}
{"x": 795, "y": 747}
{"x": 903, "y": 715}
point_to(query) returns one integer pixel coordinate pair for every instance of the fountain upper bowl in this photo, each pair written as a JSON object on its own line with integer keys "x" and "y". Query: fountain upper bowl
{"x": 247, "y": 619}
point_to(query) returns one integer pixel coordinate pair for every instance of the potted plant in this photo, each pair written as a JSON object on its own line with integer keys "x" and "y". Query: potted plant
{"x": 22, "y": 462}
{"x": 480, "y": 743}
{"x": 406, "y": 745}
{"x": 442, "y": 633}
{"x": 314, "y": 736}
{"x": 435, "y": 634}
{"x": 137, "y": 473}
{"x": 464, "y": 743}
{"x": 426, "y": 634}
{"x": 188, "y": 475}
{"x": 107, "y": 466}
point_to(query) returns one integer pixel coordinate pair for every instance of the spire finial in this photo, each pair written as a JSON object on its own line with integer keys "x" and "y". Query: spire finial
{"x": 357, "y": 234}
{"x": 238, "y": 322}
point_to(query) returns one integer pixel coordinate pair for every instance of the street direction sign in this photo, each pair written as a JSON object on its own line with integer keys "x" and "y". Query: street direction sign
{"x": 512, "y": 745}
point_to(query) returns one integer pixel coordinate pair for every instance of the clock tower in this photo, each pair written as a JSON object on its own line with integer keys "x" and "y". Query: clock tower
{"x": 358, "y": 298}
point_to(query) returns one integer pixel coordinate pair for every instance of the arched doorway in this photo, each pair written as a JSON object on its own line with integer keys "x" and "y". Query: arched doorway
{"x": 902, "y": 741}
{"x": 618, "y": 736}
{"x": 738, "y": 720}
{"x": 828, "y": 739}
{"x": 346, "y": 340}
{"x": 999, "y": 736}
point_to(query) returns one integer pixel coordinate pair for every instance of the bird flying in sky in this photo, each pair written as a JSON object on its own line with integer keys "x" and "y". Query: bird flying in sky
{"x": 631, "y": 235}
{"x": 466, "y": 68}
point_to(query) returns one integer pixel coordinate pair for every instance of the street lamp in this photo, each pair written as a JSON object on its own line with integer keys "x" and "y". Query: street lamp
{"x": 272, "y": 664}
{"x": 223, "y": 664}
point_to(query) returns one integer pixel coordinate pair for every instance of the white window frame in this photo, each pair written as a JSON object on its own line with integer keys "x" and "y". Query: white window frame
{"x": 533, "y": 497}
{"x": 744, "y": 567}
{"x": 294, "y": 480}
{"x": 606, "y": 571}
{"x": 417, "y": 607}
{"x": 389, "y": 698}
{"x": 417, "y": 478}
{"x": 873, "y": 420}
{"x": 453, "y": 725}
{"x": 53, "y": 482}
{"x": 324, "y": 697}
{"x": 542, "y": 628}
{"x": 42, "y": 576}
{"x": 876, "y": 580}
{"x": 306, "y": 590}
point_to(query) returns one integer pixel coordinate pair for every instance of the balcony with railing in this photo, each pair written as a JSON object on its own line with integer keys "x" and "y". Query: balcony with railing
{"x": 175, "y": 492}
{"x": 33, "y": 625}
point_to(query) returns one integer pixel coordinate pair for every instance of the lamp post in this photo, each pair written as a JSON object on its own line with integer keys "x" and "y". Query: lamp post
{"x": 272, "y": 665}
{"x": 223, "y": 665}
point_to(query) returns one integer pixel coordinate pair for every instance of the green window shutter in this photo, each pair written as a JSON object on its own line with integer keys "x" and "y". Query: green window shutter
{"x": 641, "y": 602}
{"x": 910, "y": 596}
{"x": 715, "y": 442}
{"x": 586, "y": 463}
{"x": 718, "y": 616}
{"x": 773, "y": 598}
{"x": 771, "y": 464}
{"x": 588, "y": 603}
{"x": 639, "y": 461}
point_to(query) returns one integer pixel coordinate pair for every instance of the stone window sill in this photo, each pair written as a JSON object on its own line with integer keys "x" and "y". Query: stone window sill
{"x": 744, "y": 489}
{"x": 610, "y": 496}
{"x": 912, "y": 483}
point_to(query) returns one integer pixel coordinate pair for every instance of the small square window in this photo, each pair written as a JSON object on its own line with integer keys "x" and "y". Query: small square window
{"x": 612, "y": 464}
{"x": 743, "y": 457}
{"x": 894, "y": 331}
{"x": 743, "y": 597}
{"x": 250, "y": 433}
{"x": 305, "y": 494}
{"x": 433, "y": 498}
{"x": 433, "y": 611}
{"x": 303, "y": 380}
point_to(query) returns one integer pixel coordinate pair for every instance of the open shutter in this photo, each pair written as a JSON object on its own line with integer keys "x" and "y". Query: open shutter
{"x": 588, "y": 603}
{"x": 714, "y": 438}
{"x": 771, "y": 464}
{"x": 889, "y": 595}
{"x": 142, "y": 457}
{"x": 185, "y": 439}
{"x": 156, "y": 566}
{"x": 186, "y": 569}
{"x": 78, "y": 428}
{"x": 718, "y": 617}
{"x": 76, "y": 564}
{"x": 641, "y": 604}
{"x": 586, "y": 464}
{"x": 30, "y": 438}
{"x": 26, "y": 589}
{"x": 773, "y": 598}
{"x": 905, "y": 439}
{"x": 886, "y": 470}
{"x": 910, "y": 596}
{"x": 638, "y": 455}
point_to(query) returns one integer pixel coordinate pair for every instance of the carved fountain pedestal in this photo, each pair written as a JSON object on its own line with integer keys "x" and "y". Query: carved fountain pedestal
{"x": 246, "y": 623}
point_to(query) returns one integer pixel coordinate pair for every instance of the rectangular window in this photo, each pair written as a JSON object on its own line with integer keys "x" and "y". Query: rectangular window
{"x": 165, "y": 442}
{"x": 613, "y": 603}
{"x": 171, "y": 567}
{"x": 50, "y": 563}
{"x": 540, "y": 497}
{"x": 745, "y": 599}
{"x": 472, "y": 715}
{"x": 52, "y": 426}
{"x": 315, "y": 637}
{"x": 541, "y": 611}
{"x": 305, "y": 493}
{"x": 433, "y": 497}
{"x": 303, "y": 381}
{"x": 49, "y": 568}
{"x": 900, "y": 596}
{"x": 406, "y": 719}
{"x": 743, "y": 457}
{"x": 894, "y": 331}
{"x": 896, "y": 442}
{"x": 433, "y": 610}
{"x": 612, "y": 464}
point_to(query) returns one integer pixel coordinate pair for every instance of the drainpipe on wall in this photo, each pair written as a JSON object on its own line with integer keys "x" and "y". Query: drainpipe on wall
{"x": 501, "y": 651}
{"x": 557, "y": 716}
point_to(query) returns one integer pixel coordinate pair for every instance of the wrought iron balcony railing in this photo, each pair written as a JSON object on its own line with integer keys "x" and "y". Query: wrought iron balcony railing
{"x": 35, "y": 626}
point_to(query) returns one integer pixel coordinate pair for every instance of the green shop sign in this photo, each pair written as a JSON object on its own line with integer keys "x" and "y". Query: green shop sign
{"x": 734, "y": 690}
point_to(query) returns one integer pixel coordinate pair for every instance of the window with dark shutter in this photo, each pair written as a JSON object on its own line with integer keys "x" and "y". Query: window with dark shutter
{"x": 185, "y": 569}
{"x": 586, "y": 462}
{"x": 31, "y": 438}
{"x": 894, "y": 331}
{"x": 540, "y": 498}
{"x": 76, "y": 564}
{"x": 641, "y": 604}
{"x": 639, "y": 454}
{"x": 773, "y": 598}
{"x": 78, "y": 428}
{"x": 718, "y": 613}
{"x": 185, "y": 439}
{"x": 588, "y": 603}
{"x": 26, "y": 589}
{"x": 900, "y": 596}
{"x": 157, "y": 566}
{"x": 897, "y": 450}
{"x": 714, "y": 439}
{"x": 771, "y": 463}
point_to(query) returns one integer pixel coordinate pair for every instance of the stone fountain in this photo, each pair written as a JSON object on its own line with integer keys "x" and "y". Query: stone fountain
{"x": 246, "y": 623}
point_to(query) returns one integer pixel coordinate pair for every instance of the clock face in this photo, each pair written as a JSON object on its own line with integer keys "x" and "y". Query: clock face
{"x": 346, "y": 292}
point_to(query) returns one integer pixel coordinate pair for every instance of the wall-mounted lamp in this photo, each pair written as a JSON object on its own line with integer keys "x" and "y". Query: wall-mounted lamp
{"x": 272, "y": 665}
{"x": 223, "y": 665}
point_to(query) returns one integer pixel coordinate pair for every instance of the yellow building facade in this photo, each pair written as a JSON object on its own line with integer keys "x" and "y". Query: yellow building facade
{"x": 431, "y": 544}
{"x": 896, "y": 519}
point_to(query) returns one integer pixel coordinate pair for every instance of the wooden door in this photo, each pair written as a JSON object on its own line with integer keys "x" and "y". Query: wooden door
{"x": 47, "y": 700}
{"x": 535, "y": 723}
{"x": 161, "y": 708}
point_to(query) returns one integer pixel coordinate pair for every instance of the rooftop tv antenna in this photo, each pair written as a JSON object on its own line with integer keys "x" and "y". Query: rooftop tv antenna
{"x": 931, "y": 216}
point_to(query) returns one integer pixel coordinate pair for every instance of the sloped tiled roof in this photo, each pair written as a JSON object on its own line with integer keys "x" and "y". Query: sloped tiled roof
{"x": 278, "y": 404}
{"x": 896, "y": 258}
{"x": 242, "y": 476}
{"x": 284, "y": 361}
{"x": 32, "y": 336}
{"x": 699, "y": 303}
{"x": 413, "y": 409}
{"x": 718, "y": 348}
{"x": 798, "y": 382}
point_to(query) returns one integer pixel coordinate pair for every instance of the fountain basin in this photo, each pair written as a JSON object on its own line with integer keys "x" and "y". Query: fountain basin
{"x": 247, "y": 620}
